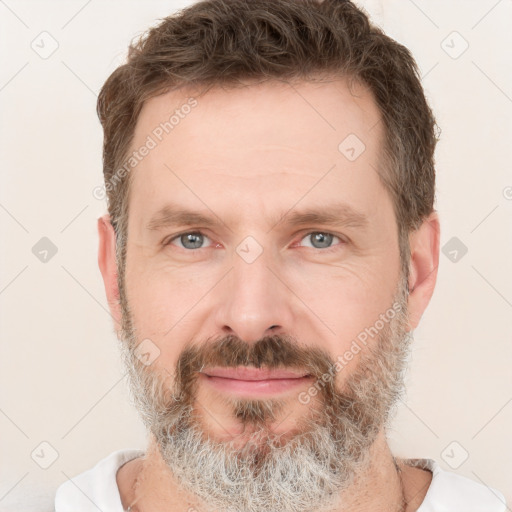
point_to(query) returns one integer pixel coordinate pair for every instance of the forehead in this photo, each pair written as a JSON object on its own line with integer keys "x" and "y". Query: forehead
{"x": 257, "y": 144}
{"x": 266, "y": 112}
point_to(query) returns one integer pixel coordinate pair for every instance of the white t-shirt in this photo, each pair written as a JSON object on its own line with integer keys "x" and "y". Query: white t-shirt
{"x": 96, "y": 489}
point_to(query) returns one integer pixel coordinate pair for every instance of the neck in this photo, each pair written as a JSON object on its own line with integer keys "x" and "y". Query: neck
{"x": 146, "y": 484}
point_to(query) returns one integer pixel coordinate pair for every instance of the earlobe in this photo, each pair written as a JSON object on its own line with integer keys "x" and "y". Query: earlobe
{"x": 424, "y": 244}
{"x": 108, "y": 266}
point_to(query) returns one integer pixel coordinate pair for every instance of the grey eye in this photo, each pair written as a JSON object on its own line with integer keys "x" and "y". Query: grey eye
{"x": 320, "y": 240}
{"x": 190, "y": 240}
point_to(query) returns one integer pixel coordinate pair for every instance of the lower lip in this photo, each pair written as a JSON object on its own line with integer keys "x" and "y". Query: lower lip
{"x": 254, "y": 387}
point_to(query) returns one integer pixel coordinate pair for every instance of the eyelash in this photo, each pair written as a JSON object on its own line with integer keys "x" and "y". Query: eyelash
{"x": 327, "y": 250}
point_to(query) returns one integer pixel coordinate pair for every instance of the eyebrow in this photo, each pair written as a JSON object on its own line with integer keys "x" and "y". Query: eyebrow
{"x": 340, "y": 214}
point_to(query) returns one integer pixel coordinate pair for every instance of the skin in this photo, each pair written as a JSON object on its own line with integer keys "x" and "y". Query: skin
{"x": 247, "y": 157}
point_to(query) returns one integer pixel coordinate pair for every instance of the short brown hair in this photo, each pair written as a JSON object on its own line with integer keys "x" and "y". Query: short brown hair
{"x": 220, "y": 42}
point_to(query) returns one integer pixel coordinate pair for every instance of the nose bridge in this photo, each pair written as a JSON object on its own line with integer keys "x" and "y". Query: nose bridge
{"x": 253, "y": 300}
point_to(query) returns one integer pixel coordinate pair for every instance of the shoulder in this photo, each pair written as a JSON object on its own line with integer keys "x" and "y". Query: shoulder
{"x": 96, "y": 487}
{"x": 449, "y": 491}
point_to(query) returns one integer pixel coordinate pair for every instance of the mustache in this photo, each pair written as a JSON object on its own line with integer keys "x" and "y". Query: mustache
{"x": 270, "y": 352}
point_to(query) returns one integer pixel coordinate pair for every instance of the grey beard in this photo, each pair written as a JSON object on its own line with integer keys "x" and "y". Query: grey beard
{"x": 305, "y": 470}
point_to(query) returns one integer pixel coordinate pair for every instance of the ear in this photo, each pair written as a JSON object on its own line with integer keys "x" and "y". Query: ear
{"x": 424, "y": 244}
{"x": 108, "y": 267}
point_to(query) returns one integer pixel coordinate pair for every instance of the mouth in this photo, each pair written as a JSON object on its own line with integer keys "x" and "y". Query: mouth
{"x": 253, "y": 381}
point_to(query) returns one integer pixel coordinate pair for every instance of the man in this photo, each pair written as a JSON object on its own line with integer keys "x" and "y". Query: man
{"x": 270, "y": 246}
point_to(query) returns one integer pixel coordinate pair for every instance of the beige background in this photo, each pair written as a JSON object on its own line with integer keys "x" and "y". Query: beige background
{"x": 60, "y": 378}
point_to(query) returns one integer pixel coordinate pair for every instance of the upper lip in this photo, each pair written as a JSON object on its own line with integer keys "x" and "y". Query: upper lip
{"x": 245, "y": 373}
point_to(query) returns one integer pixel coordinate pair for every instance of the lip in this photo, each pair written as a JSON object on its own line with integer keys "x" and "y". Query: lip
{"x": 253, "y": 382}
{"x": 253, "y": 374}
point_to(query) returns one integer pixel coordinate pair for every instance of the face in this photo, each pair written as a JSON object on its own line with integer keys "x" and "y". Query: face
{"x": 260, "y": 237}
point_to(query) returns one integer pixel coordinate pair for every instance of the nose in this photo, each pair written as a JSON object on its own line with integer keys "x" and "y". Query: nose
{"x": 252, "y": 302}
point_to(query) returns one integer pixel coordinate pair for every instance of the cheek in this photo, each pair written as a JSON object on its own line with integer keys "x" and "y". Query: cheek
{"x": 160, "y": 293}
{"x": 168, "y": 304}
{"x": 344, "y": 295}
{"x": 341, "y": 305}
{"x": 158, "y": 306}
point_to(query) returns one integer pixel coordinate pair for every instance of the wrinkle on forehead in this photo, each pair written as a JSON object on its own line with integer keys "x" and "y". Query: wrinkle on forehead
{"x": 305, "y": 117}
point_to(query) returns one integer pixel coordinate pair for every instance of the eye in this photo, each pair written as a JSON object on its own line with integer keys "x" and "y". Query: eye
{"x": 321, "y": 240}
{"x": 195, "y": 239}
{"x": 189, "y": 241}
